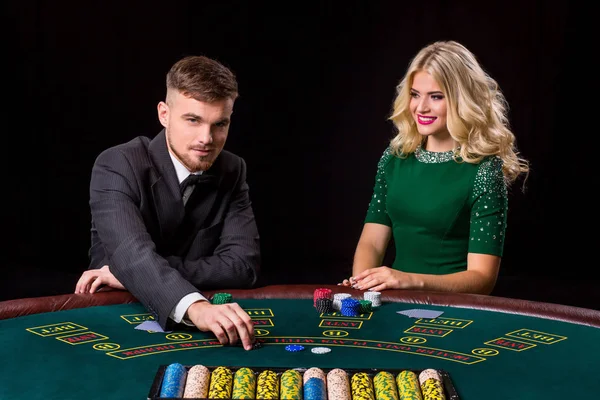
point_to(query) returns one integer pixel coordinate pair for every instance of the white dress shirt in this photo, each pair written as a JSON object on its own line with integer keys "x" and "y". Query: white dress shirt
{"x": 181, "y": 308}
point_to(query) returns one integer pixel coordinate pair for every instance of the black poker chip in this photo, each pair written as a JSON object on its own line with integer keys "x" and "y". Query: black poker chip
{"x": 324, "y": 305}
{"x": 255, "y": 345}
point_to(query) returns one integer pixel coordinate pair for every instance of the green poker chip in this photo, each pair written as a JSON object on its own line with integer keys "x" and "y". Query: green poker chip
{"x": 221, "y": 298}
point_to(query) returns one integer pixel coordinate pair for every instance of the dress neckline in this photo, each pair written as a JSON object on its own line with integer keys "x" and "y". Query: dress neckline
{"x": 433, "y": 157}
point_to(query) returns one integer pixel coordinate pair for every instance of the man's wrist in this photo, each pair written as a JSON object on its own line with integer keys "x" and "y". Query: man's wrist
{"x": 182, "y": 306}
{"x": 186, "y": 317}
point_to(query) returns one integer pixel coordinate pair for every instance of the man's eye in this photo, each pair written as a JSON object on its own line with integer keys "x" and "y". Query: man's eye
{"x": 192, "y": 120}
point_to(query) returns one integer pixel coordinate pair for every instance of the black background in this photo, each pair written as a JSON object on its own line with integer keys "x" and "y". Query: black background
{"x": 316, "y": 81}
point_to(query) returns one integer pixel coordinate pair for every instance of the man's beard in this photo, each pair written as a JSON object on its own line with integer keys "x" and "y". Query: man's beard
{"x": 195, "y": 164}
{"x": 202, "y": 163}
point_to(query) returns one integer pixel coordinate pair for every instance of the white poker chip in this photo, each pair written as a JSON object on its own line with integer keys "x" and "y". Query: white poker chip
{"x": 320, "y": 350}
{"x": 373, "y": 297}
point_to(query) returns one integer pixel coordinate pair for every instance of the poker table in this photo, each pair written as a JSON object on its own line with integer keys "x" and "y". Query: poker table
{"x": 87, "y": 346}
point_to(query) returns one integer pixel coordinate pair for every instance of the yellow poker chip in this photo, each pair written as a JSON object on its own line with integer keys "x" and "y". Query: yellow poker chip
{"x": 320, "y": 350}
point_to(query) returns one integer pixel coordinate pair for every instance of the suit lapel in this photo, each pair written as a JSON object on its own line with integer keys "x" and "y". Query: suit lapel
{"x": 165, "y": 190}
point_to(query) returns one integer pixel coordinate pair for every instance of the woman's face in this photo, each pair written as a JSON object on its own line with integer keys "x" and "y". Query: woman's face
{"x": 428, "y": 106}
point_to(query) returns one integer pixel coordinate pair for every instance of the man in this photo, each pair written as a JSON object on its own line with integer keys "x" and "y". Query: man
{"x": 163, "y": 242}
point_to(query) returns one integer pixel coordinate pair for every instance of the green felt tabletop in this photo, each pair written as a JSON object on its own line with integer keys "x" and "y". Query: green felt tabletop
{"x": 96, "y": 352}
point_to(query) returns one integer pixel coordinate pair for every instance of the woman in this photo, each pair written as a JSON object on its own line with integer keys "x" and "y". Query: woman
{"x": 441, "y": 185}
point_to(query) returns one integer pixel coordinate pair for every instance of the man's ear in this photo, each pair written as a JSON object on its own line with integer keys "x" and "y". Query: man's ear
{"x": 163, "y": 113}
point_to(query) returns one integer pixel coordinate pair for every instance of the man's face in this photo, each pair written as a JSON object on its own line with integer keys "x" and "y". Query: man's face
{"x": 196, "y": 131}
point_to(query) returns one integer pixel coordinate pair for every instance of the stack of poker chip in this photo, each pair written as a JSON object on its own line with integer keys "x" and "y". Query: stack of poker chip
{"x": 244, "y": 384}
{"x": 385, "y": 385}
{"x": 197, "y": 382}
{"x": 173, "y": 383}
{"x": 350, "y": 307}
{"x": 221, "y": 383}
{"x": 408, "y": 385}
{"x": 321, "y": 293}
{"x": 374, "y": 297}
{"x": 315, "y": 386}
{"x": 267, "y": 386}
{"x": 221, "y": 298}
{"x": 431, "y": 384}
{"x": 338, "y": 384}
{"x": 337, "y": 300}
{"x": 362, "y": 386}
{"x": 365, "y": 306}
{"x": 290, "y": 385}
{"x": 324, "y": 305}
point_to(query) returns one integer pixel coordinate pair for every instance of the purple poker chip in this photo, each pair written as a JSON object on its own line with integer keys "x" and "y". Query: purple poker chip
{"x": 294, "y": 347}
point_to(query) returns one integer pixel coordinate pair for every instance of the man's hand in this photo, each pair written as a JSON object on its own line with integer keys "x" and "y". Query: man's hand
{"x": 229, "y": 322}
{"x": 91, "y": 280}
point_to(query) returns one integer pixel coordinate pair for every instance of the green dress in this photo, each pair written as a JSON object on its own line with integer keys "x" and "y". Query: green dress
{"x": 439, "y": 209}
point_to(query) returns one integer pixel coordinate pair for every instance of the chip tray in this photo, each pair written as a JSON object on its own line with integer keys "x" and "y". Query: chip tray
{"x": 449, "y": 389}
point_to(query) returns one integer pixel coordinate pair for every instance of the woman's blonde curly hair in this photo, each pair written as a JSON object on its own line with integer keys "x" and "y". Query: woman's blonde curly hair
{"x": 477, "y": 110}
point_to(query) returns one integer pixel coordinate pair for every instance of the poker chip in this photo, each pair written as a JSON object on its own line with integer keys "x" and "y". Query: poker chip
{"x": 337, "y": 300}
{"x": 374, "y": 298}
{"x": 350, "y": 307}
{"x": 294, "y": 347}
{"x": 244, "y": 384}
{"x": 365, "y": 306}
{"x": 255, "y": 345}
{"x": 341, "y": 296}
{"x": 362, "y": 386}
{"x": 321, "y": 293}
{"x": 173, "y": 383}
{"x": 267, "y": 386}
{"x": 314, "y": 388}
{"x": 222, "y": 298}
{"x": 320, "y": 350}
{"x": 324, "y": 305}
{"x": 221, "y": 383}
{"x": 291, "y": 385}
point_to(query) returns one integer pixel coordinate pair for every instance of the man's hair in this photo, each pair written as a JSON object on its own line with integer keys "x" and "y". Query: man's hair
{"x": 202, "y": 79}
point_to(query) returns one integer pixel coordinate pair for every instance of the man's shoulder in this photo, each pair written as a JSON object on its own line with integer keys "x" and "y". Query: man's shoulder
{"x": 133, "y": 145}
{"x": 133, "y": 148}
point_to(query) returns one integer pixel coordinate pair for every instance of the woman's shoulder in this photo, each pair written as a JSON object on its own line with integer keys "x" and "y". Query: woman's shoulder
{"x": 387, "y": 156}
{"x": 490, "y": 164}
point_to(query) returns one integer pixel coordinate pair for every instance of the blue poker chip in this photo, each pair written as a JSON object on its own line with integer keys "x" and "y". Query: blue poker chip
{"x": 294, "y": 347}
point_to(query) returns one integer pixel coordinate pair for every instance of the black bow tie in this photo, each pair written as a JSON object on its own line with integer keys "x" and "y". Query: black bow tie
{"x": 202, "y": 179}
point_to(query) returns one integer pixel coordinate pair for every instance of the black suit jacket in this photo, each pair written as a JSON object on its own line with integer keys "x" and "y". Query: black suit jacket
{"x": 159, "y": 249}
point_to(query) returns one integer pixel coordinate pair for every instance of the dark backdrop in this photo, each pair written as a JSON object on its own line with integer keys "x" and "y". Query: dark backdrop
{"x": 317, "y": 81}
